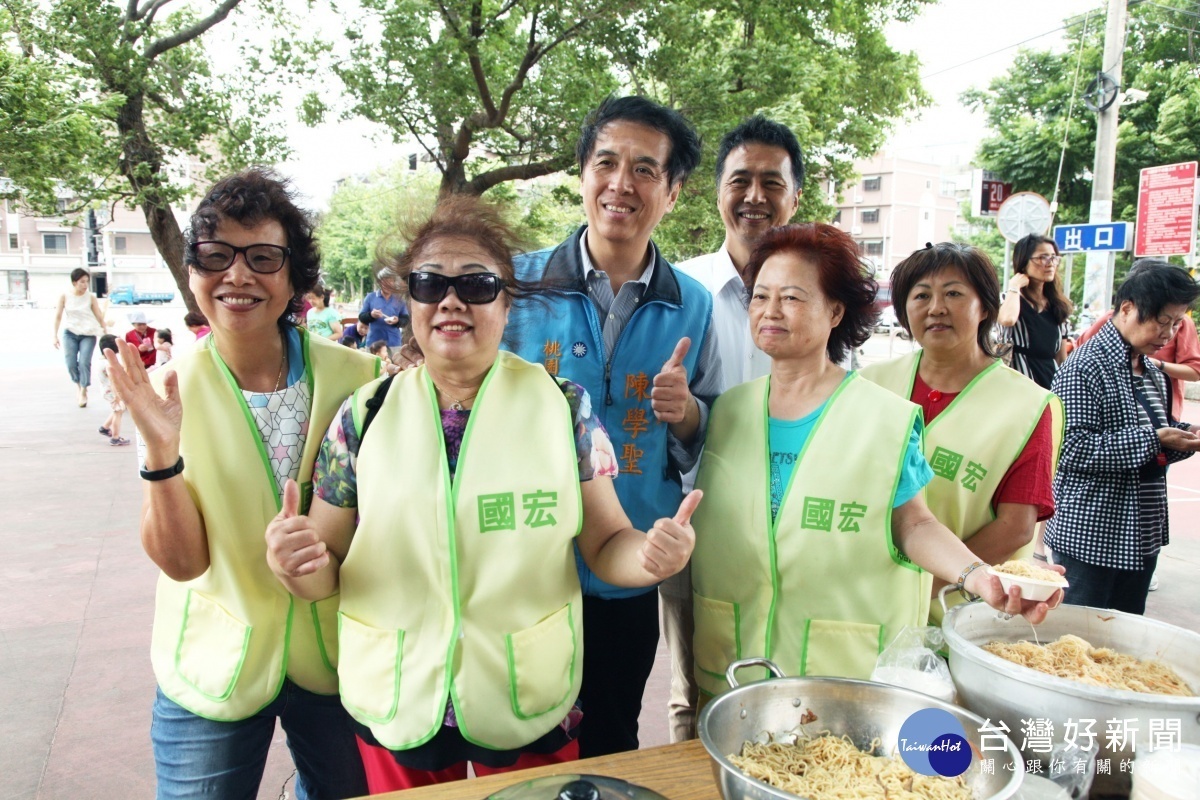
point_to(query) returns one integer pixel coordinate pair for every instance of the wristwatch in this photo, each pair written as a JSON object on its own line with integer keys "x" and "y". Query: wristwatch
{"x": 161, "y": 474}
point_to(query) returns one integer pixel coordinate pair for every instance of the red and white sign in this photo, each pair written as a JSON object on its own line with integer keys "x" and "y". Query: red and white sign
{"x": 992, "y": 196}
{"x": 1166, "y": 215}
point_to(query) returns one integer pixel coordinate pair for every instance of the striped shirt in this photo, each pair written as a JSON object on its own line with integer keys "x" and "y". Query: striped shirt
{"x": 1036, "y": 339}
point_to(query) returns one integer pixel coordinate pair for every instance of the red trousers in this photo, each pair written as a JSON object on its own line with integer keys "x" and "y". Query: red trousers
{"x": 385, "y": 775}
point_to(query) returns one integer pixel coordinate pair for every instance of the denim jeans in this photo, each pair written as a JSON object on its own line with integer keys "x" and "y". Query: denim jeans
{"x": 78, "y": 352}
{"x": 1106, "y": 587}
{"x": 196, "y": 757}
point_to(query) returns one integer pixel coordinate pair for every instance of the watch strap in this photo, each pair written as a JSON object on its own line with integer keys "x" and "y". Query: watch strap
{"x": 162, "y": 474}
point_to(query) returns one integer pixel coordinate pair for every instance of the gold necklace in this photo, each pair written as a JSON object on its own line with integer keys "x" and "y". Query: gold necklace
{"x": 455, "y": 405}
{"x": 282, "y": 361}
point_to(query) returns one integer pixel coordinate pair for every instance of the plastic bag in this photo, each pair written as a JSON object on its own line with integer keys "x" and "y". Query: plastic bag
{"x": 911, "y": 661}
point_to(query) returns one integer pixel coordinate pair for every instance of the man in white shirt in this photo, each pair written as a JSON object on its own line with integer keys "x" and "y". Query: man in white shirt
{"x": 760, "y": 175}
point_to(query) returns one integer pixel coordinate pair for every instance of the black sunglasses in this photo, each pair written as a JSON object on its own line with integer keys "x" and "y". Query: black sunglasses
{"x": 215, "y": 256}
{"x": 476, "y": 288}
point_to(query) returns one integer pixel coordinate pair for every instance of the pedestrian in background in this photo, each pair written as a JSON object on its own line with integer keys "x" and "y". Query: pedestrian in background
{"x": 141, "y": 336}
{"x": 84, "y": 322}
{"x": 197, "y": 324}
{"x": 354, "y": 334}
{"x": 322, "y": 320}
{"x": 163, "y": 344}
{"x": 385, "y": 314}
{"x": 112, "y": 423}
{"x": 1035, "y": 309}
{"x": 1111, "y": 487}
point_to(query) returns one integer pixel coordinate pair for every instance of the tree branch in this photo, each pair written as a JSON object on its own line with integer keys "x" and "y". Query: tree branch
{"x": 149, "y": 11}
{"x": 517, "y": 172}
{"x": 188, "y": 34}
{"x": 532, "y": 54}
{"x": 162, "y": 102}
{"x": 451, "y": 19}
{"x": 485, "y": 93}
{"x": 504, "y": 9}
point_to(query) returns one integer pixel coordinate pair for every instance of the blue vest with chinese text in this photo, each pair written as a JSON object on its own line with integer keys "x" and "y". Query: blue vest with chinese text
{"x": 564, "y": 334}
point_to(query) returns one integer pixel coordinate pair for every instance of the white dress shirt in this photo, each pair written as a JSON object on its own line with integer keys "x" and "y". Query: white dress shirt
{"x": 741, "y": 361}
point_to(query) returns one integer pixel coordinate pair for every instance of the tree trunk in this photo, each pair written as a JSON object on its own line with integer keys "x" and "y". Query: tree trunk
{"x": 141, "y": 164}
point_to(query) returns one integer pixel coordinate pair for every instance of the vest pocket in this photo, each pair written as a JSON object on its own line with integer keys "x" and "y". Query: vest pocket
{"x": 718, "y": 640}
{"x": 212, "y": 647}
{"x": 369, "y": 669}
{"x": 541, "y": 664}
{"x": 325, "y": 624}
{"x": 841, "y": 649}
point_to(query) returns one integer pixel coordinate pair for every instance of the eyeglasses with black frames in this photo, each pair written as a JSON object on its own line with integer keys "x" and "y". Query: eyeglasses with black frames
{"x": 476, "y": 288}
{"x": 216, "y": 256}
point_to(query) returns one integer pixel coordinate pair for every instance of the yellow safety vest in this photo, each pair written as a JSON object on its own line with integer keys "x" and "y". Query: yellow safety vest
{"x": 974, "y": 441}
{"x": 223, "y": 642}
{"x": 822, "y": 589}
{"x": 466, "y": 590}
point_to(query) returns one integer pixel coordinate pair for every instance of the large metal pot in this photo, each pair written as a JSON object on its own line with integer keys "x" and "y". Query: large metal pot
{"x": 861, "y": 710}
{"x": 1003, "y": 691}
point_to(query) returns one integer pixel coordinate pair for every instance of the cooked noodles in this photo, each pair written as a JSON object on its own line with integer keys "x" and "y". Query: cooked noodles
{"x": 1073, "y": 658}
{"x": 828, "y": 767}
{"x": 1022, "y": 569}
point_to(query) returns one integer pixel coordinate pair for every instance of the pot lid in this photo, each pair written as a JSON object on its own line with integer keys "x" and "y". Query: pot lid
{"x": 576, "y": 787}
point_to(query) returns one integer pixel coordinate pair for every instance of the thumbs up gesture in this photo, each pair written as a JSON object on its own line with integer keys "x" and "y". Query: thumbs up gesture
{"x": 293, "y": 547}
{"x": 670, "y": 542}
{"x": 671, "y": 396}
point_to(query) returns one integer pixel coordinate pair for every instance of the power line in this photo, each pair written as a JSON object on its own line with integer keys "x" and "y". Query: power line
{"x": 995, "y": 52}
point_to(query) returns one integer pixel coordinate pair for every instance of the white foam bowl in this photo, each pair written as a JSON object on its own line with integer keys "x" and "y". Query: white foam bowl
{"x": 1031, "y": 588}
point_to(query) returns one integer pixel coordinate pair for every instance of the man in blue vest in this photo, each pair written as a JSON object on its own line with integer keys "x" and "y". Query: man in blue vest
{"x": 638, "y": 336}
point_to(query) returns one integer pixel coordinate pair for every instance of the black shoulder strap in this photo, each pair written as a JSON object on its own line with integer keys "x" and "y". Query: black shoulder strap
{"x": 373, "y": 406}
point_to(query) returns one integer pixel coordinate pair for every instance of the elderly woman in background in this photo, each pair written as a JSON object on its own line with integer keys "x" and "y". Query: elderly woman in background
{"x": 1035, "y": 310}
{"x": 813, "y": 531}
{"x": 232, "y": 649}
{"x": 448, "y": 499}
{"x": 1121, "y": 433}
{"x": 991, "y": 436}
{"x": 85, "y": 321}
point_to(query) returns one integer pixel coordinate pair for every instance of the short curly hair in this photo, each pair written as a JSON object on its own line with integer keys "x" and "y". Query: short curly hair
{"x": 249, "y": 198}
{"x": 843, "y": 277}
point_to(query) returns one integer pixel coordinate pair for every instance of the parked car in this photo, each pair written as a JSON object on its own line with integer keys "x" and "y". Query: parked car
{"x": 128, "y": 296}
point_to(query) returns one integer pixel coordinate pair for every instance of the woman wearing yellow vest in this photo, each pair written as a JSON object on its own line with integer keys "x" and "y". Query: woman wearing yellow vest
{"x": 470, "y": 478}
{"x": 991, "y": 434}
{"x": 813, "y": 531}
{"x": 232, "y": 649}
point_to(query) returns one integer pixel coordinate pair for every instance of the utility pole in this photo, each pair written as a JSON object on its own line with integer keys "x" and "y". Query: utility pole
{"x": 1099, "y": 272}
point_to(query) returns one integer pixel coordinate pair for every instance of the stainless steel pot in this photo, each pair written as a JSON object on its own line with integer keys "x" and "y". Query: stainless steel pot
{"x": 861, "y": 710}
{"x": 576, "y": 787}
{"x": 1003, "y": 691}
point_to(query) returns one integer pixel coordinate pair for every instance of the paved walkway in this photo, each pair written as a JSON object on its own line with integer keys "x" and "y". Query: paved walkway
{"x": 78, "y": 593}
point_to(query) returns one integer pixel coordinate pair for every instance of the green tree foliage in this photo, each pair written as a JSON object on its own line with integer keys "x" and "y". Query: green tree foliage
{"x": 1027, "y": 109}
{"x": 495, "y": 90}
{"x": 504, "y": 82}
{"x": 823, "y": 68}
{"x": 362, "y": 213}
{"x": 126, "y": 96}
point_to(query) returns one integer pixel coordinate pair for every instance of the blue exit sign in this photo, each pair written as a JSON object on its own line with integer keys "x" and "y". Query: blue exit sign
{"x": 1100, "y": 236}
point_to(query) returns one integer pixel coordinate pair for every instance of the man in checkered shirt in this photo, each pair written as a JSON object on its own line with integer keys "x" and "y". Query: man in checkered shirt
{"x": 1111, "y": 488}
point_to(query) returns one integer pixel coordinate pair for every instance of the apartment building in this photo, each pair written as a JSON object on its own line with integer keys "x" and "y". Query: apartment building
{"x": 894, "y": 208}
{"x": 37, "y": 254}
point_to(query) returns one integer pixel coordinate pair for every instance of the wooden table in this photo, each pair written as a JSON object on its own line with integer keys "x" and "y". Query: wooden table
{"x": 676, "y": 771}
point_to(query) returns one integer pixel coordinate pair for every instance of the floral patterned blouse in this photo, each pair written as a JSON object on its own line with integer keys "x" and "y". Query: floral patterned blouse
{"x": 335, "y": 480}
